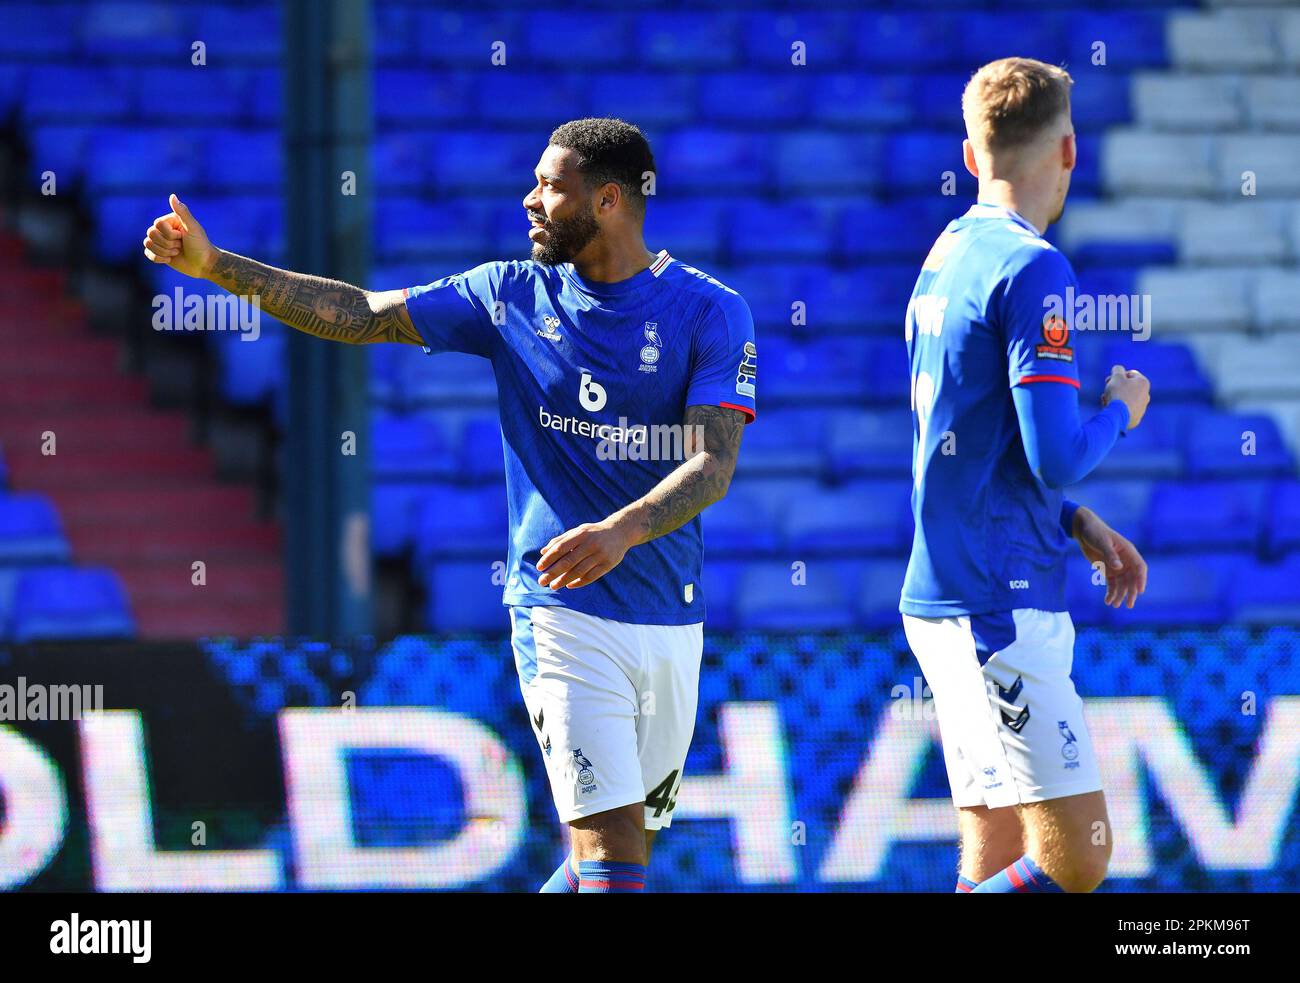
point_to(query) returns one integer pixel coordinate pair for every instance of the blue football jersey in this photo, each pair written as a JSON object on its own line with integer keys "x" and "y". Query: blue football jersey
{"x": 588, "y": 376}
{"x": 988, "y": 535}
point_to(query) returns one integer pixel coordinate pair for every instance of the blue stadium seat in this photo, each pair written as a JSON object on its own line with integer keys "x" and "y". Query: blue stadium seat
{"x": 39, "y": 30}
{"x": 30, "y": 531}
{"x": 858, "y": 519}
{"x": 510, "y": 98}
{"x": 1209, "y": 515}
{"x": 879, "y": 588}
{"x": 902, "y": 232}
{"x": 938, "y": 99}
{"x": 251, "y": 372}
{"x": 189, "y": 94}
{"x": 1085, "y": 599}
{"x": 465, "y": 39}
{"x": 651, "y": 99}
{"x": 982, "y": 37}
{"x": 144, "y": 30}
{"x": 407, "y": 97}
{"x": 155, "y": 159}
{"x": 393, "y": 515}
{"x": 1172, "y": 366}
{"x": 869, "y": 443}
{"x": 721, "y": 582}
{"x": 455, "y": 521}
{"x": 446, "y": 378}
{"x": 244, "y": 159}
{"x": 777, "y": 596}
{"x": 245, "y": 33}
{"x": 64, "y": 603}
{"x": 769, "y": 98}
{"x": 413, "y": 227}
{"x": 480, "y": 450}
{"x": 916, "y": 162}
{"x": 486, "y": 160}
{"x": 1267, "y": 594}
{"x": 1132, "y": 38}
{"x": 672, "y": 40}
{"x": 578, "y": 42}
{"x": 408, "y": 448}
{"x": 1284, "y": 517}
{"x": 463, "y": 597}
{"x": 690, "y": 230}
{"x": 1152, "y": 450}
{"x": 67, "y": 93}
{"x": 1124, "y": 504}
{"x": 1100, "y": 97}
{"x": 808, "y": 160}
{"x": 795, "y": 231}
{"x": 769, "y": 38}
{"x": 831, "y": 370}
{"x": 700, "y": 159}
{"x": 869, "y": 299}
{"x": 788, "y": 443}
{"x": 742, "y": 524}
{"x": 860, "y": 100}
{"x": 1215, "y": 445}
{"x": 1182, "y": 590}
{"x": 900, "y": 41}
{"x": 771, "y": 290}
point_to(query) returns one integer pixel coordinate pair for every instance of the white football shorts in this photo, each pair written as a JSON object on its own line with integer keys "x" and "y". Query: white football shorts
{"x": 1013, "y": 728}
{"x": 612, "y": 705}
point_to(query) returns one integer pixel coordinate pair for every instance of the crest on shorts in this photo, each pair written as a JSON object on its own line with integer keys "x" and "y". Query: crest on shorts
{"x": 586, "y": 777}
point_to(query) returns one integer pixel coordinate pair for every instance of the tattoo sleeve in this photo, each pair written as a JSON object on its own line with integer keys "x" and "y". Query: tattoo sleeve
{"x": 324, "y": 308}
{"x": 701, "y": 480}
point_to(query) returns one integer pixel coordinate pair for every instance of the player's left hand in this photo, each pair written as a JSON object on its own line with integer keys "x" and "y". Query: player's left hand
{"x": 583, "y": 554}
{"x": 1126, "y": 571}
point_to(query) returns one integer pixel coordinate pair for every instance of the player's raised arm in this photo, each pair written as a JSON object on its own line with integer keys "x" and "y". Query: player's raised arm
{"x": 325, "y": 308}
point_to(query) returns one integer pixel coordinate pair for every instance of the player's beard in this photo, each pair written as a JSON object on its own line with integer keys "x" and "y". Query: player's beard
{"x": 565, "y": 238}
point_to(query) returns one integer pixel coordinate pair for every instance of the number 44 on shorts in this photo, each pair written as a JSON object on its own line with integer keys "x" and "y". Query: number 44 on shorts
{"x": 661, "y": 800}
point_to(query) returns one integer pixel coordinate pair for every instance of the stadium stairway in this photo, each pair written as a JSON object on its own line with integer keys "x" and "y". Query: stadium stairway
{"x": 134, "y": 495}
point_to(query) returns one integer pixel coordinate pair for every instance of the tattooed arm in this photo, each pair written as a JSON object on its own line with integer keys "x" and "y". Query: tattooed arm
{"x": 589, "y": 551}
{"x": 324, "y": 308}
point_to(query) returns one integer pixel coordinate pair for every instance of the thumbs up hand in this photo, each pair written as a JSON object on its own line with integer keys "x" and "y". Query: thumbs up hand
{"x": 177, "y": 240}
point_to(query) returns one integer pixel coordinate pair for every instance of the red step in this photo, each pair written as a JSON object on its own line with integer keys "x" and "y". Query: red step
{"x": 205, "y": 541}
{"x": 200, "y": 618}
{"x": 78, "y": 430}
{"x": 78, "y": 506}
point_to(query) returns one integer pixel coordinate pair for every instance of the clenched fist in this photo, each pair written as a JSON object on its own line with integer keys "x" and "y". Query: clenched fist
{"x": 177, "y": 240}
{"x": 1131, "y": 388}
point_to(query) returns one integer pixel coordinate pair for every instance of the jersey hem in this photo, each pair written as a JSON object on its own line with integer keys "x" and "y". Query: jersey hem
{"x": 691, "y": 617}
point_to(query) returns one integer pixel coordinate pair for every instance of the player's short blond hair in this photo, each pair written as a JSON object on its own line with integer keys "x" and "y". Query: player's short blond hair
{"x": 1009, "y": 102}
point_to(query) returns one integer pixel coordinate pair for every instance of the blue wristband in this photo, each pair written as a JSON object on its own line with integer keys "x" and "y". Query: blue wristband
{"x": 1068, "y": 509}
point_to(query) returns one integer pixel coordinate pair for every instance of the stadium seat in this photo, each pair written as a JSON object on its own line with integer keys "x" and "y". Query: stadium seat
{"x": 30, "y": 531}
{"x": 407, "y": 448}
{"x": 463, "y": 597}
{"x": 1182, "y": 590}
{"x": 1219, "y": 515}
{"x": 742, "y": 524}
{"x": 1284, "y": 518}
{"x": 1242, "y": 233}
{"x": 858, "y": 519}
{"x": 1219, "y": 444}
{"x": 1187, "y": 102}
{"x": 865, "y": 443}
{"x": 879, "y": 588}
{"x": 1222, "y": 40}
{"x": 460, "y": 522}
{"x": 1267, "y": 594}
{"x": 798, "y": 596}
{"x": 66, "y": 603}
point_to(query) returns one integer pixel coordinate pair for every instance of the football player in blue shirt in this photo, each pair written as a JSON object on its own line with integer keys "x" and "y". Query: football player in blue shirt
{"x": 625, "y": 380}
{"x": 997, "y": 435}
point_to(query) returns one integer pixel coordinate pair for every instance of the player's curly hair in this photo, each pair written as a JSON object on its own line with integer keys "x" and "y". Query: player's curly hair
{"x": 609, "y": 150}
